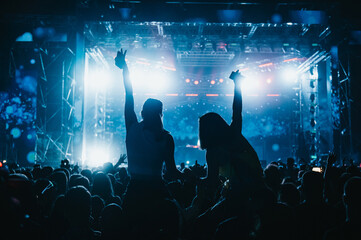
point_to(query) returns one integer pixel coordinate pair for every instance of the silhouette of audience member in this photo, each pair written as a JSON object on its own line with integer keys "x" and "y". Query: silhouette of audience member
{"x": 77, "y": 213}
{"x": 351, "y": 228}
{"x": 113, "y": 225}
{"x": 313, "y": 216}
{"x": 78, "y": 179}
{"x": 272, "y": 176}
{"x": 103, "y": 187}
{"x": 60, "y": 181}
{"x": 88, "y": 174}
{"x": 290, "y": 170}
{"x": 289, "y": 195}
{"x": 228, "y": 151}
{"x": 230, "y": 155}
{"x": 57, "y": 223}
{"x": 148, "y": 144}
{"x": 97, "y": 204}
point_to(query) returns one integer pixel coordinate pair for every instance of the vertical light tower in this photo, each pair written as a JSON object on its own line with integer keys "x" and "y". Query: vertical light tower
{"x": 313, "y": 113}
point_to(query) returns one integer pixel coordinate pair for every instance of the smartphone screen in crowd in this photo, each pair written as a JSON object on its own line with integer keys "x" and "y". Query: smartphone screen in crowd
{"x": 317, "y": 169}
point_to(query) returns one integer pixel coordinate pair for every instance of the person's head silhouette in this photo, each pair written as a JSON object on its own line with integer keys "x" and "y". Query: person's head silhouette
{"x": 152, "y": 114}
{"x": 213, "y": 130}
{"x": 352, "y": 198}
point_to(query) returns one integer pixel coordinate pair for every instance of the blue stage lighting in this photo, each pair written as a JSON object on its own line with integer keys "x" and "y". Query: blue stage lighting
{"x": 31, "y": 157}
{"x": 15, "y": 132}
{"x": 290, "y": 75}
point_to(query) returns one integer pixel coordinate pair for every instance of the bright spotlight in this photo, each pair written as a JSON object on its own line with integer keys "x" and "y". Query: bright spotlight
{"x": 250, "y": 84}
{"x": 97, "y": 157}
{"x": 290, "y": 75}
{"x": 99, "y": 79}
{"x": 157, "y": 82}
{"x": 149, "y": 81}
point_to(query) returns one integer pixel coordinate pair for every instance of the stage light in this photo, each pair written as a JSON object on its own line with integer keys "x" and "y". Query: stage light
{"x": 314, "y": 72}
{"x": 312, "y": 97}
{"x": 276, "y": 18}
{"x": 275, "y": 147}
{"x": 196, "y": 82}
{"x": 313, "y": 122}
{"x": 312, "y": 110}
{"x": 269, "y": 80}
{"x": 229, "y": 15}
{"x": 188, "y": 80}
{"x": 9, "y": 109}
{"x": 221, "y": 80}
{"x": 312, "y": 83}
{"x": 250, "y": 84}
{"x": 15, "y": 132}
{"x": 31, "y": 157}
{"x": 213, "y": 82}
{"x": 97, "y": 156}
{"x": 26, "y": 37}
{"x": 98, "y": 79}
{"x": 157, "y": 82}
{"x": 290, "y": 75}
{"x": 149, "y": 81}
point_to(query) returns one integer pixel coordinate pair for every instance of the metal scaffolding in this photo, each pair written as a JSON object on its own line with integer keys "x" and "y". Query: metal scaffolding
{"x": 55, "y": 105}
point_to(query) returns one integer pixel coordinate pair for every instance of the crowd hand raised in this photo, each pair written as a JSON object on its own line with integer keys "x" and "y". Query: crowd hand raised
{"x": 120, "y": 59}
{"x": 236, "y": 76}
{"x": 122, "y": 158}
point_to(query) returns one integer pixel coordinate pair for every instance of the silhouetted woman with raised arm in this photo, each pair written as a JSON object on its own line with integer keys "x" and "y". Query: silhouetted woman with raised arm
{"x": 228, "y": 152}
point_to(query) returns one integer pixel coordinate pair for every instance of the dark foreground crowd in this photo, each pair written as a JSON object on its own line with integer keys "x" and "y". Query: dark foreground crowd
{"x": 73, "y": 203}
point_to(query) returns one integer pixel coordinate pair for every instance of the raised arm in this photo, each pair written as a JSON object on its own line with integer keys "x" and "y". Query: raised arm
{"x": 129, "y": 113}
{"x": 237, "y": 102}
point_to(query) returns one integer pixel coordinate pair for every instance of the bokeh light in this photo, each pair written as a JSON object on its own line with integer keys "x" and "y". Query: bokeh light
{"x": 290, "y": 75}
{"x": 276, "y": 147}
{"x": 15, "y": 132}
{"x": 31, "y": 157}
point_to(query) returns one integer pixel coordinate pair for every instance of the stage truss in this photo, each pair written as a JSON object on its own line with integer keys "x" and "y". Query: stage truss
{"x": 60, "y": 87}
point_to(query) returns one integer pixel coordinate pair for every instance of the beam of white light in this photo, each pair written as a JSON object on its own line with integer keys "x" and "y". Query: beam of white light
{"x": 250, "y": 84}
{"x": 97, "y": 156}
{"x": 154, "y": 81}
{"x": 99, "y": 79}
{"x": 289, "y": 75}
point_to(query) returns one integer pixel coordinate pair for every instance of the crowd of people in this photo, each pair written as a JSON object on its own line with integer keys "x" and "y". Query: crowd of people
{"x": 231, "y": 197}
